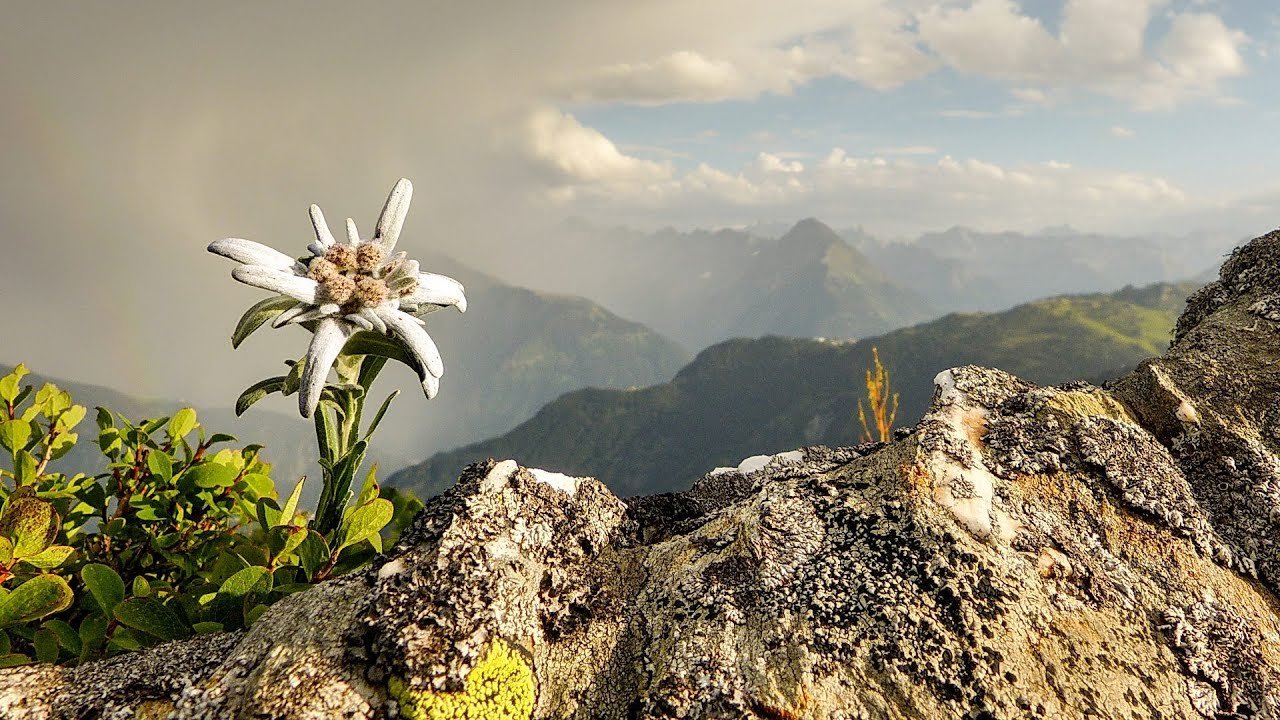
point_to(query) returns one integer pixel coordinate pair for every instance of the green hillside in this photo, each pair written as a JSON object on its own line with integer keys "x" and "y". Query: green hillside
{"x": 745, "y": 397}
{"x": 515, "y": 350}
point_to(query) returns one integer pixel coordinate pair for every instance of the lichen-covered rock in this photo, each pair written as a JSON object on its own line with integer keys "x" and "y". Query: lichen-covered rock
{"x": 1024, "y": 552}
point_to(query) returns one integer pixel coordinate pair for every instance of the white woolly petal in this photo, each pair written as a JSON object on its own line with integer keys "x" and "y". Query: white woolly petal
{"x": 316, "y": 249}
{"x": 372, "y": 317}
{"x": 393, "y": 214}
{"x": 430, "y": 386}
{"x": 359, "y": 320}
{"x": 353, "y": 235}
{"x": 437, "y": 290}
{"x": 324, "y": 238}
{"x": 416, "y": 340}
{"x": 325, "y": 346}
{"x": 288, "y": 316}
{"x": 315, "y": 313}
{"x": 252, "y": 253}
{"x": 278, "y": 281}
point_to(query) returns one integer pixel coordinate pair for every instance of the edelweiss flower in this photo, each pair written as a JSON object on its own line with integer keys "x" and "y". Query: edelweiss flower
{"x": 343, "y": 288}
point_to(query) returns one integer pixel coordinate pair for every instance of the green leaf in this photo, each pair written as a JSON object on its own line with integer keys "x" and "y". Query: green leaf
{"x": 260, "y": 485}
{"x": 291, "y": 505}
{"x": 221, "y": 437}
{"x": 207, "y": 474}
{"x": 31, "y": 523}
{"x": 62, "y": 444}
{"x": 183, "y": 422}
{"x": 313, "y": 552}
{"x": 25, "y": 470}
{"x": 14, "y": 434}
{"x": 293, "y": 380}
{"x": 160, "y": 465}
{"x": 257, "y": 391}
{"x": 254, "y": 578}
{"x": 150, "y": 616}
{"x": 366, "y": 342}
{"x": 93, "y": 631}
{"x": 46, "y": 645}
{"x": 40, "y": 596}
{"x": 259, "y": 314}
{"x": 71, "y": 417}
{"x": 326, "y": 433}
{"x": 51, "y": 557}
{"x": 104, "y": 584}
{"x": 67, "y": 636}
{"x": 204, "y": 628}
{"x": 367, "y": 521}
{"x": 251, "y": 616}
{"x": 382, "y": 411}
{"x": 5, "y": 645}
{"x": 284, "y": 539}
{"x": 9, "y": 383}
{"x": 14, "y": 660}
{"x": 141, "y": 588}
{"x": 268, "y": 512}
{"x": 369, "y": 490}
{"x": 124, "y": 639}
{"x": 6, "y": 553}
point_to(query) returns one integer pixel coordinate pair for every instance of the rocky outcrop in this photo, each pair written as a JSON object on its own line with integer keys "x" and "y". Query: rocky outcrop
{"x": 1025, "y": 552}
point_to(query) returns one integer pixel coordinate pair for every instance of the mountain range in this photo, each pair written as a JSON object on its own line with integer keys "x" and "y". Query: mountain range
{"x": 703, "y": 287}
{"x": 773, "y": 394}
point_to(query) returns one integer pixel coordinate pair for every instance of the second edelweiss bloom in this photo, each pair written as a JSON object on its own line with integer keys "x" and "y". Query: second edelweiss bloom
{"x": 343, "y": 288}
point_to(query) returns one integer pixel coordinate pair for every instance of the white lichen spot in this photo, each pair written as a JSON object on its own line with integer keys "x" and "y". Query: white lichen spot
{"x": 790, "y": 457}
{"x": 964, "y": 485}
{"x": 498, "y": 476}
{"x": 722, "y": 471}
{"x": 559, "y": 481}
{"x": 753, "y": 463}
{"x": 1186, "y": 412}
{"x": 395, "y": 567}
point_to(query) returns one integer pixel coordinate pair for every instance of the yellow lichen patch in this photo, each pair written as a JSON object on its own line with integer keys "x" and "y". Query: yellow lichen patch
{"x": 153, "y": 709}
{"x": 499, "y": 687}
{"x": 1090, "y": 403}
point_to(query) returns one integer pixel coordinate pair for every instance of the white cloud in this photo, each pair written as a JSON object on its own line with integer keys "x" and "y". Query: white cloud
{"x": 1120, "y": 131}
{"x": 870, "y": 42}
{"x": 1100, "y": 48}
{"x": 573, "y": 154}
{"x": 968, "y": 114}
{"x": 890, "y": 194}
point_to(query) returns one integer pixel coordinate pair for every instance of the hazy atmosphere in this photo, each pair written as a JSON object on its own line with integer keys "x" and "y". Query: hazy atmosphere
{"x": 132, "y": 135}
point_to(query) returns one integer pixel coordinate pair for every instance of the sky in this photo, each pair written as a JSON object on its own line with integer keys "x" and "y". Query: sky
{"x": 133, "y": 134}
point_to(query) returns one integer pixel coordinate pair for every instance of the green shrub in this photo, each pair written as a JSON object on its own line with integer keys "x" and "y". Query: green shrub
{"x": 182, "y": 534}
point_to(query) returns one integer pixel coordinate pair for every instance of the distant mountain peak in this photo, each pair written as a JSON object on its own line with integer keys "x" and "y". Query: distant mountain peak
{"x": 810, "y": 229}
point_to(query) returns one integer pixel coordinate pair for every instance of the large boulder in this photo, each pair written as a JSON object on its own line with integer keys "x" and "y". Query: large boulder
{"x": 1025, "y": 552}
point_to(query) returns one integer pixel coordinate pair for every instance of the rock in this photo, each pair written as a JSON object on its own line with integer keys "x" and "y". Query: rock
{"x": 1025, "y": 552}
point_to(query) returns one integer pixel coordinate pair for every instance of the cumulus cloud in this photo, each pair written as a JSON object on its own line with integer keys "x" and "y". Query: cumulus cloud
{"x": 871, "y": 43}
{"x": 571, "y": 154}
{"x": 1100, "y": 47}
{"x": 1122, "y": 132}
{"x": 902, "y": 194}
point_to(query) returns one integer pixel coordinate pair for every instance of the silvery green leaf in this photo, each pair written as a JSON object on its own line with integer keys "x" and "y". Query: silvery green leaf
{"x": 259, "y": 314}
{"x": 257, "y": 391}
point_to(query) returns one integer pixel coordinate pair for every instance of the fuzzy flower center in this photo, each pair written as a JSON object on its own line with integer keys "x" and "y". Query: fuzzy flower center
{"x": 357, "y": 278}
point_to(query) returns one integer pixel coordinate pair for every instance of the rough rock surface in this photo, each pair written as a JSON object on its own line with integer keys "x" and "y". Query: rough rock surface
{"x": 1025, "y": 552}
